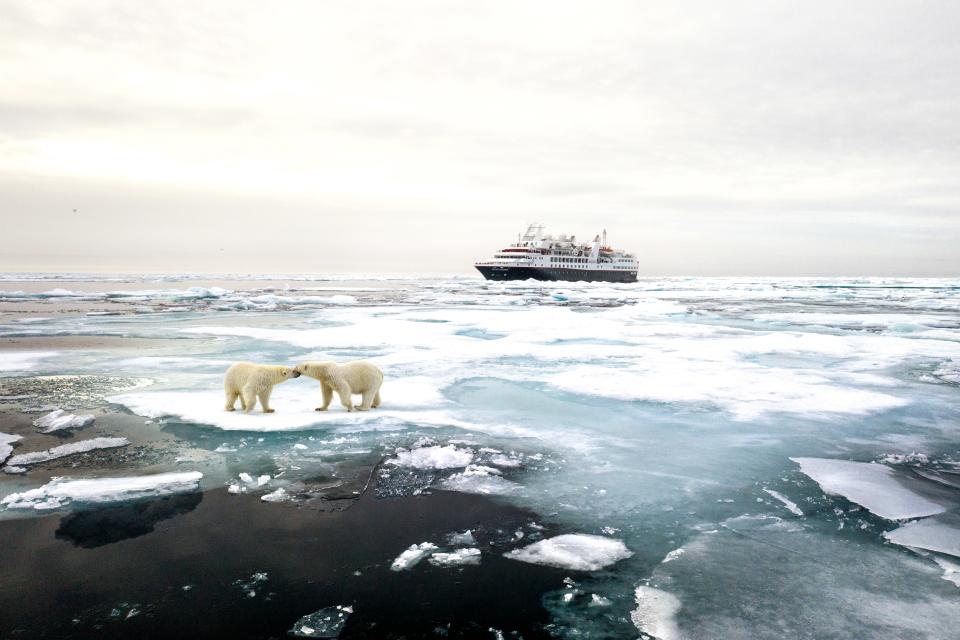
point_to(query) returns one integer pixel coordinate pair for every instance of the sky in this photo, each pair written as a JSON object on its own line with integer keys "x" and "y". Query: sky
{"x": 760, "y": 138}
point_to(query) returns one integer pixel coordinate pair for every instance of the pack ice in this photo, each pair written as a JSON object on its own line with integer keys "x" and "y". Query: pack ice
{"x": 61, "y": 492}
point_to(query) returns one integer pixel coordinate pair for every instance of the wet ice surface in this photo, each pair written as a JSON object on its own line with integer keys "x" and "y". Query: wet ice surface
{"x": 662, "y": 415}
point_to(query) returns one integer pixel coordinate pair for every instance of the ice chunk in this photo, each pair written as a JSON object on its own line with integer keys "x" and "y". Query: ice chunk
{"x": 655, "y": 613}
{"x": 456, "y": 558}
{"x": 250, "y": 586}
{"x": 789, "y": 504}
{"x": 6, "y": 447}
{"x": 673, "y": 555}
{"x": 951, "y": 570}
{"x": 580, "y": 552}
{"x": 59, "y": 420}
{"x": 482, "y": 480}
{"x": 940, "y": 534}
{"x": 599, "y": 601}
{"x": 61, "y": 492}
{"x": 14, "y": 470}
{"x": 326, "y": 623}
{"x": 414, "y": 554}
{"x": 245, "y": 477}
{"x": 870, "y": 485}
{"x": 275, "y": 496}
{"x": 68, "y": 450}
{"x": 436, "y": 457}
{"x": 462, "y": 539}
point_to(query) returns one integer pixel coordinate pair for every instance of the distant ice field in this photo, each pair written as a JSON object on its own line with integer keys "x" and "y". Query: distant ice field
{"x": 793, "y": 438}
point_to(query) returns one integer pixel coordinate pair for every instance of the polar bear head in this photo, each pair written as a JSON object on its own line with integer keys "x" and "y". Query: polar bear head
{"x": 315, "y": 370}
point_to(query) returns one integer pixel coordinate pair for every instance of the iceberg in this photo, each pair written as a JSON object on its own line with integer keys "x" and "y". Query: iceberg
{"x": 413, "y": 555}
{"x": 61, "y": 492}
{"x": 65, "y": 450}
{"x": 457, "y": 558}
{"x": 326, "y": 623}
{"x": 940, "y": 534}
{"x": 6, "y": 446}
{"x": 871, "y": 485}
{"x": 60, "y": 420}
{"x": 462, "y": 539}
{"x": 578, "y": 552}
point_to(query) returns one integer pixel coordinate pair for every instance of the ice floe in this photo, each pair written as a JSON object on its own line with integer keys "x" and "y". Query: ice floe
{"x": 871, "y": 485}
{"x": 61, "y": 492}
{"x": 280, "y": 495}
{"x": 578, "y": 552}
{"x": 60, "y": 420}
{"x": 787, "y": 502}
{"x": 457, "y": 558}
{"x": 64, "y": 450}
{"x": 6, "y": 445}
{"x": 462, "y": 539}
{"x": 940, "y": 534}
{"x": 656, "y": 613}
{"x": 325, "y": 623}
{"x": 413, "y": 555}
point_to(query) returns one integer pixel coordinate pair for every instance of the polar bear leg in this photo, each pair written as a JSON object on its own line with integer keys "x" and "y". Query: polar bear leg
{"x": 249, "y": 398}
{"x": 265, "y": 400}
{"x": 346, "y": 399}
{"x": 327, "y": 392}
{"x": 368, "y": 396}
{"x": 232, "y": 396}
{"x": 376, "y": 399}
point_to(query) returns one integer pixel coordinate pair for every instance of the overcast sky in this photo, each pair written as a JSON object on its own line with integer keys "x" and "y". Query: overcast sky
{"x": 724, "y": 138}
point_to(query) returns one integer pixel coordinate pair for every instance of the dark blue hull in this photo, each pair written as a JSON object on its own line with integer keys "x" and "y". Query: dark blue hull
{"x": 553, "y": 275}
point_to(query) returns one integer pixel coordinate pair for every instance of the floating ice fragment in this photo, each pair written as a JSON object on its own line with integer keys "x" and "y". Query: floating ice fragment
{"x": 870, "y": 485}
{"x": 224, "y": 448}
{"x": 249, "y": 587}
{"x": 59, "y": 420}
{"x": 246, "y": 477}
{"x": 414, "y": 554}
{"x": 68, "y": 450}
{"x": 940, "y": 534}
{"x": 457, "y": 558}
{"x": 599, "y": 601}
{"x": 951, "y": 570}
{"x": 462, "y": 539}
{"x": 233, "y": 489}
{"x": 275, "y": 496}
{"x": 482, "y": 480}
{"x": 262, "y": 480}
{"x": 60, "y": 492}
{"x": 789, "y": 504}
{"x": 673, "y": 555}
{"x": 326, "y": 623}
{"x": 655, "y": 613}
{"x": 580, "y": 552}
{"x": 6, "y": 448}
{"x": 300, "y": 447}
{"x": 449, "y": 457}
{"x": 14, "y": 470}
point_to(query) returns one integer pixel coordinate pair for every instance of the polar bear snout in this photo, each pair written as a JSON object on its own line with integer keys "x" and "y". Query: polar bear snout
{"x": 294, "y": 373}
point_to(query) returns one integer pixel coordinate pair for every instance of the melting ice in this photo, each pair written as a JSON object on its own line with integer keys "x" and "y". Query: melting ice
{"x": 793, "y": 440}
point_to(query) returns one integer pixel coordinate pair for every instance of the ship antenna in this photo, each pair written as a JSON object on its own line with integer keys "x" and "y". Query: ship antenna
{"x": 604, "y": 237}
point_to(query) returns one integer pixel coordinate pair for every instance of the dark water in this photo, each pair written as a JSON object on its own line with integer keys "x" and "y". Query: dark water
{"x": 121, "y": 572}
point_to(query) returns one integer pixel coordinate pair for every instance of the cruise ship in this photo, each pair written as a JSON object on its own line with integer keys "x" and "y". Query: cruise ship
{"x": 540, "y": 256}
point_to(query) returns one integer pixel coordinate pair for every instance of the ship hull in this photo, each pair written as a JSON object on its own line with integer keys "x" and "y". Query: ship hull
{"x": 555, "y": 275}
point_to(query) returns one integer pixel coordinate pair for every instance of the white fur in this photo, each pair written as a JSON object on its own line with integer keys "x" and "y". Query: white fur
{"x": 249, "y": 381}
{"x": 346, "y": 379}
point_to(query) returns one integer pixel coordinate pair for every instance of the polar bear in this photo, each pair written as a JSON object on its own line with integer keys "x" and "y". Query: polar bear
{"x": 346, "y": 379}
{"x": 250, "y": 381}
